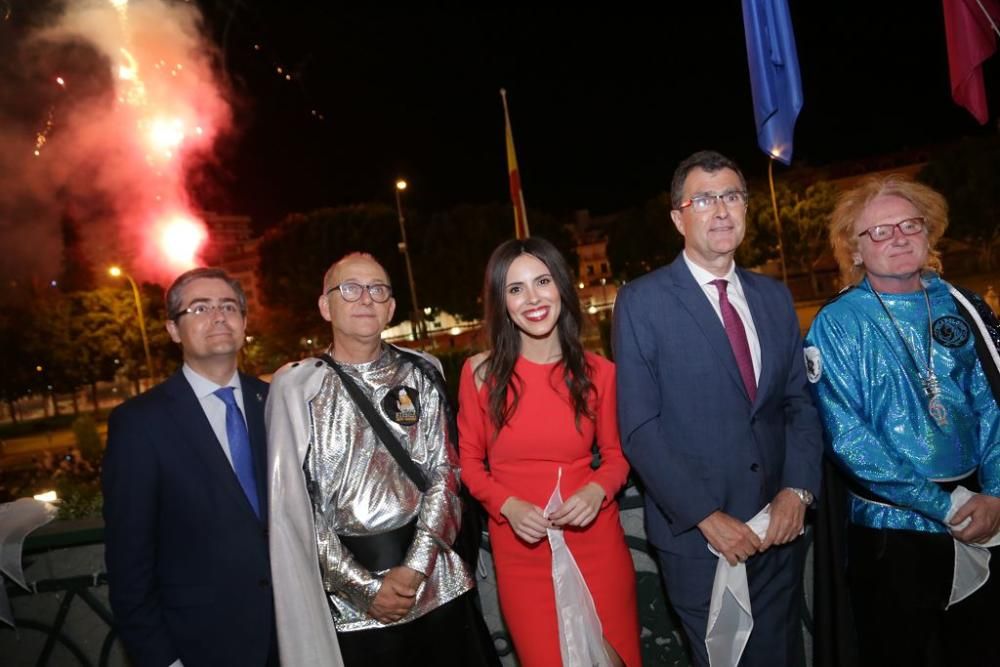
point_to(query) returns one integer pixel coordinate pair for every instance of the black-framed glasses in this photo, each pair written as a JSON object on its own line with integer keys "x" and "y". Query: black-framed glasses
{"x": 707, "y": 200}
{"x": 205, "y": 309}
{"x": 379, "y": 292}
{"x": 884, "y": 232}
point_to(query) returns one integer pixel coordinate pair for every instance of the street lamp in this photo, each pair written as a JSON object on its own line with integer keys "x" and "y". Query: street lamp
{"x": 116, "y": 272}
{"x": 417, "y": 321}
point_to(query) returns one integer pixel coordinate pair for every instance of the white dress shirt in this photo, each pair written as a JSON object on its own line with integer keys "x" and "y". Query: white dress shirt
{"x": 215, "y": 407}
{"x": 734, "y": 290}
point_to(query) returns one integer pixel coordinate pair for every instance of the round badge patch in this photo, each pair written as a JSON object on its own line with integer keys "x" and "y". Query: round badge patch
{"x": 951, "y": 331}
{"x": 814, "y": 363}
{"x": 402, "y": 405}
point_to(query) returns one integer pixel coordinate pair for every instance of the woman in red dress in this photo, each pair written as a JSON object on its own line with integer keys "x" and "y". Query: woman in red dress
{"x": 535, "y": 403}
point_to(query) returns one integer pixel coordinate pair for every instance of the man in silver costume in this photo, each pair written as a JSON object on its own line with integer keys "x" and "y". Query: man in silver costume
{"x": 905, "y": 370}
{"x": 364, "y": 572}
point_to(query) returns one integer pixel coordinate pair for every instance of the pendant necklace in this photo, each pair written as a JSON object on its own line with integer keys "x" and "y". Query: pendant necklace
{"x": 928, "y": 378}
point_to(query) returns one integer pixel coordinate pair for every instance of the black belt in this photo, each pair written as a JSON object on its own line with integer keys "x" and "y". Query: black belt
{"x": 381, "y": 551}
{"x": 970, "y": 481}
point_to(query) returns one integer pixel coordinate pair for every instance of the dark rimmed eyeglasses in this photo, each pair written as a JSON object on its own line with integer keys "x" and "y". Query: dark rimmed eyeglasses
{"x": 205, "y": 309}
{"x": 884, "y": 232}
{"x": 379, "y": 292}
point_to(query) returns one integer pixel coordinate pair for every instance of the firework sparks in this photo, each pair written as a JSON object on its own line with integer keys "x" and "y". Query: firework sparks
{"x": 169, "y": 109}
{"x": 180, "y": 239}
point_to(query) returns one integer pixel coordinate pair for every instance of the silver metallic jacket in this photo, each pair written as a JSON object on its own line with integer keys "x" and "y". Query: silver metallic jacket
{"x": 357, "y": 488}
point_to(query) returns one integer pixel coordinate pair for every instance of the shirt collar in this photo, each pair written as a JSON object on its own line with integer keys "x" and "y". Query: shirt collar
{"x": 704, "y": 277}
{"x": 203, "y": 387}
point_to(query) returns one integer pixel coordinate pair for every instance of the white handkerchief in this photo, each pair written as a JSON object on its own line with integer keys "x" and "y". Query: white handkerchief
{"x": 581, "y": 639}
{"x": 972, "y": 561}
{"x": 730, "y": 619}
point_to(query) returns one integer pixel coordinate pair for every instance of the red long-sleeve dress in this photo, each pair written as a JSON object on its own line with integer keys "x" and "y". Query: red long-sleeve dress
{"x": 524, "y": 459}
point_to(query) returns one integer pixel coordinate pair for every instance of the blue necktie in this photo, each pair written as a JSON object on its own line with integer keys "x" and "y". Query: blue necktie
{"x": 239, "y": 446}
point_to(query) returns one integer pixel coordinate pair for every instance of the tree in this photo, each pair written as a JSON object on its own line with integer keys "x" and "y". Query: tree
{"x": 17, "y": 373}
{"x": 295, "y": 255}
{"x": 805, "y": 219}
{"x": 968, "y": 175}
{"x": 454, "y": 246}
{"x": 644, "y": 238}
{"x": 449, "y": 251}
{"x": 87, "y": 337}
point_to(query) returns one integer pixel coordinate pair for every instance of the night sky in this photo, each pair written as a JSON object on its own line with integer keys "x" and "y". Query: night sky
{"x": 604, "y": 102}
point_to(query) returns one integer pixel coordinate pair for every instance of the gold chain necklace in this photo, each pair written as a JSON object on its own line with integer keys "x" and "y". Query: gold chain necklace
{"x": 928, "y": 378}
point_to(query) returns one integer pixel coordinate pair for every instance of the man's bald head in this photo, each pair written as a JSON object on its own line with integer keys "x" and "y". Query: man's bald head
{"x": 331, "y": 278}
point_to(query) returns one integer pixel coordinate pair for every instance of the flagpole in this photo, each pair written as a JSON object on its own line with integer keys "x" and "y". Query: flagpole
{"x": 777, "y": 219}
{"x": 514, "y": 176}
{"x": 988, "y": 17}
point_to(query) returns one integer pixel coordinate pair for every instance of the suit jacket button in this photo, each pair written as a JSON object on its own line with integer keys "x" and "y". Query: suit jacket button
{"x": 754, "y": 467}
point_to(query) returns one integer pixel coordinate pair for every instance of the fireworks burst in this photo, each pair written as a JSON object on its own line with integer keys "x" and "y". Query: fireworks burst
{"x": 169, "y": 108}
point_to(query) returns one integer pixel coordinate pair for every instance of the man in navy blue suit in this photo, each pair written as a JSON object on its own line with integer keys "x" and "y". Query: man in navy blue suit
{"x": 715, "y": 416}
{"x": 185, "y": 498}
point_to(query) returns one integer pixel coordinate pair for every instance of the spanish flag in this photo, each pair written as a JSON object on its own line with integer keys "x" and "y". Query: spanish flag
{"x": 516, "y": 195}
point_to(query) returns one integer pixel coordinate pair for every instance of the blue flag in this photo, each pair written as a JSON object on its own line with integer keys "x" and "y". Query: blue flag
{"x": 774, "y": 75}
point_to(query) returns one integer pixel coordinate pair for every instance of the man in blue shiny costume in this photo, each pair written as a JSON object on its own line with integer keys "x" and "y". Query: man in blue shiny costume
{"x": 904, "y": 367}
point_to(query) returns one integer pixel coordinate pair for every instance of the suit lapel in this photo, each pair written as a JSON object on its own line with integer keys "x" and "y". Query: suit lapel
{"x": 766, "y": 335}
{"x": 254, "y": 396}
{"x": 187, "y": 413}
{"x": 692, "y": 297}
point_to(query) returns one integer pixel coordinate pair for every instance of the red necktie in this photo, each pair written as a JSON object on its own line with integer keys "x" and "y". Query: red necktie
{"x": 737, "y": 339}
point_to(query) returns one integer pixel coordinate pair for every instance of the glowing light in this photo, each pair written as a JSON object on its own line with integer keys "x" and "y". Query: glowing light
{"x": 115, "y": 272}
{"x": 61, "y": 81}
{"x": 46, "y": 497}
{"x": 165, "y": 134}
{"x": 180, "y": 239}
{"x": 454, "y": 331}
{"x": 401, "y": 184}
{"x": 118, "y": 4}
{"x": 592, "y": 310}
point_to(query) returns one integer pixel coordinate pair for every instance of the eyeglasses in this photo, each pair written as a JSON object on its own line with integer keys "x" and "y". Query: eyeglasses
{"x": 703, "y": 202}
{"x": 884, "y": 232}
{"x": 205, "y": 309}
{"x": 379, "y": 292}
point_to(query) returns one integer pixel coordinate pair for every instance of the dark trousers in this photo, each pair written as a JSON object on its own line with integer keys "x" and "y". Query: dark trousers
{"x": 900, "y": 584}
{"x": 775, "y": 579}
{"x": 453, "y": 635}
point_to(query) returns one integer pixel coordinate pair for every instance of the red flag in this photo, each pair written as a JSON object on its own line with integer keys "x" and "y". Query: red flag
{"x": 516, "y": 195}
{"x": 969, "y": 26}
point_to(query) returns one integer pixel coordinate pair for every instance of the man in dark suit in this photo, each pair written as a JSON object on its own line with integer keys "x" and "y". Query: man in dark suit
{"x": 185, "y": 498}
{"x": 715, "y": 416}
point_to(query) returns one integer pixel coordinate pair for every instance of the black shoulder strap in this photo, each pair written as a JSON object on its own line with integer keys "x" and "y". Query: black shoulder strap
{"x": 378, "y": 425}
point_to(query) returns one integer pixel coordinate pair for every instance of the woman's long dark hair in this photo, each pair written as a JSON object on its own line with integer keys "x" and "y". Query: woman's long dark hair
{"x": 505, "y": 338}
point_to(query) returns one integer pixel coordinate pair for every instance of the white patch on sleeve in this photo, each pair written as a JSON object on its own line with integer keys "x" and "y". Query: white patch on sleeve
{"x": 814, "y": 364}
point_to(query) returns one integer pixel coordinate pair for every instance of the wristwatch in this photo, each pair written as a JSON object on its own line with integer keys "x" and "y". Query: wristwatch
{"x": 805, "y": 496}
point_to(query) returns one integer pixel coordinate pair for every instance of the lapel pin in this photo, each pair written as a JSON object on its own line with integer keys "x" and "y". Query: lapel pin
{"x": 260, "y": 397}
